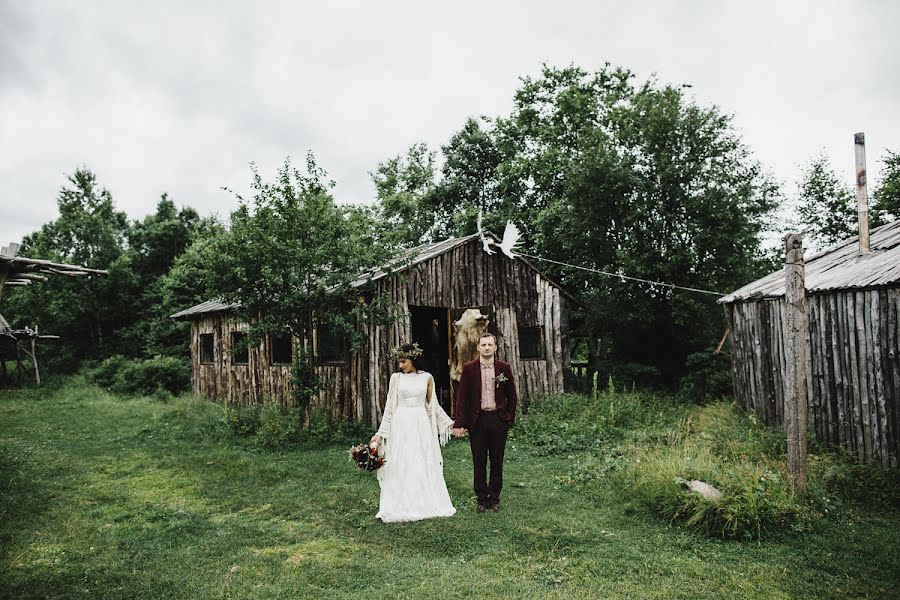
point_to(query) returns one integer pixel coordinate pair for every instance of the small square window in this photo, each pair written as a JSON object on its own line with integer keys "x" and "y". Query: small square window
{"x": 531, "y": 343}
{"x": 282, "y": 349}
{"x": 207, "y": 348}
{"x": 240, "y": 353}
{"x": 329, "y": 345}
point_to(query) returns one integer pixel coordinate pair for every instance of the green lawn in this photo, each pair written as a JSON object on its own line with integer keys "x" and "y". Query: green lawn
{"x": 104, "y": 497}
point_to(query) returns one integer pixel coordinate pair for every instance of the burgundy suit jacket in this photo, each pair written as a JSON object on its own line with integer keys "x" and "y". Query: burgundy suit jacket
{"x": 468, "y": 394}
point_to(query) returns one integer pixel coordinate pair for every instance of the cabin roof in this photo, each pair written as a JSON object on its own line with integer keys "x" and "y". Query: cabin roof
{"x": 210, "y": 306}
{"x": 404, "y": 261}
{"x": 839, "y": 267}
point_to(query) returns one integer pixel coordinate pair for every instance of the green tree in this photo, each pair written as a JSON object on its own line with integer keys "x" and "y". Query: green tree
{"x": 86, "y": 312}
{"x": 827, "y": 207}
{"x": 402, "y": 184}
{"x": 609, "y": 174}
{"x": 288, "y": 261}
{"x": 168, "y": 254}
{"x": 887, "y": 194}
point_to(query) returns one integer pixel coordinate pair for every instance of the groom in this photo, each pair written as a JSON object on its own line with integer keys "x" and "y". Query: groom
{"x": 486, "y": 408}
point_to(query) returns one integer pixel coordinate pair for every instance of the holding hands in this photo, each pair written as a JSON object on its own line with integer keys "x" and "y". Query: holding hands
{"x": 459, "y": 432}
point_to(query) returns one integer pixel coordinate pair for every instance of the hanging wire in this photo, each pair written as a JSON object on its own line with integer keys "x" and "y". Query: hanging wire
{"x": 620, "y": 276}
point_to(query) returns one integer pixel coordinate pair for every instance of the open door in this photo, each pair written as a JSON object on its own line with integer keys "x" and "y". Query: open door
{"x": 430, "y": 328}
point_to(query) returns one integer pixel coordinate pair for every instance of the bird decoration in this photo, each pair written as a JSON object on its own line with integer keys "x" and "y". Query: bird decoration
{"x": 511, "y": 237}
{"x": 486, "y": 242}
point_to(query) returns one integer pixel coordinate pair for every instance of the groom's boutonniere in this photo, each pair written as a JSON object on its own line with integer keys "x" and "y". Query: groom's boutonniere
{"x": 500, "y": 379}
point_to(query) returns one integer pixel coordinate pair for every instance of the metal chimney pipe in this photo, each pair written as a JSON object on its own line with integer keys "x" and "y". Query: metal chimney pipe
{"x": 862, "y": 201}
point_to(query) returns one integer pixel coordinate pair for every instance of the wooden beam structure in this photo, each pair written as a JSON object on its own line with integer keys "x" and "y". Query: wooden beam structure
{"x": 23, "y": 271}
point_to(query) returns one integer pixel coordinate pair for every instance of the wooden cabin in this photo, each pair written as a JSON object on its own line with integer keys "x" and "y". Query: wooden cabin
{"x": 524, "y": 309}
{"x": 853, "y": 346}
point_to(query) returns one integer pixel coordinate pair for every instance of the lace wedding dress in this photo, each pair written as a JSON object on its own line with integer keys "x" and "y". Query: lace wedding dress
{"x": 412, "y": 478}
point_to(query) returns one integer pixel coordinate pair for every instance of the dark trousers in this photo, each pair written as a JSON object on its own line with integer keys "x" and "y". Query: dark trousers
{"x": 488, "y": 440}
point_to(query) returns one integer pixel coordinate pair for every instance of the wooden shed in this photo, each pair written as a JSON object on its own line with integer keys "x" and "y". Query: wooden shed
{"x": 853, "y": 346}
{"x": 438, "y": 282}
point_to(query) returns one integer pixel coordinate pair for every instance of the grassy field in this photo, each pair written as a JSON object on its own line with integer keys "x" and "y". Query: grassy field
{"x": 105, "y": 497}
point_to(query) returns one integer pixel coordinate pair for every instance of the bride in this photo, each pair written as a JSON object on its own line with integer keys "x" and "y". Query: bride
{"x": 414, "y": 428}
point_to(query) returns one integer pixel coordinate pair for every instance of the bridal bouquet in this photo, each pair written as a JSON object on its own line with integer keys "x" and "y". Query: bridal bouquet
{"x": 366, "y": 457}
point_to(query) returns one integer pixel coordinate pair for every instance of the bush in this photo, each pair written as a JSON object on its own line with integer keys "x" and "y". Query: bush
{"x": 243, "y": 421}
{"x": 279, "y": 427}
{"x": 158, "y": 377}
{"x": 104, "y": 374}
{"x": 708, "y": 377}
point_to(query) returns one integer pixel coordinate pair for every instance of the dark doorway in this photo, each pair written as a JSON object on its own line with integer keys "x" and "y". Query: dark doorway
{"x": 430, "y": 329}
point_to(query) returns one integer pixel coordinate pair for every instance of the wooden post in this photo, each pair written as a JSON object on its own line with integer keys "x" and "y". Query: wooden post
{"x": 862, "y": 201}
{"x": 795, "y": 409}
{"x": 34, "y": 361}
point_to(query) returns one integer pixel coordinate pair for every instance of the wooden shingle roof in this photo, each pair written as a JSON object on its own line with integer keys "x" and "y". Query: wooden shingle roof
{"x": 839, "y": 267}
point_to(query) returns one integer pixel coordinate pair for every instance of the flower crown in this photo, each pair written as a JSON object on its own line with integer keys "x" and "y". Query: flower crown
{"x": 414, "y": 353}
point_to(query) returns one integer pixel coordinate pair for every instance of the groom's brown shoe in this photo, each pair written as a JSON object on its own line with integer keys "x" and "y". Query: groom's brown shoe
{"x": 495, "y": 507}
{"x": 480, "y": 508}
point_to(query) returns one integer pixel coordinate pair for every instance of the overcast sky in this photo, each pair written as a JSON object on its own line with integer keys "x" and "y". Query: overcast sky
{"x": 180, "y": 97}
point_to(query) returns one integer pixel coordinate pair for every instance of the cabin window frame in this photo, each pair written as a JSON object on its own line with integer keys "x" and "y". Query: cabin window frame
{"x": 542, "y": 350}
{"x": 272, "y": 353}
{"x": 235, "y": 349}
{"x": 341, "y": 357}
{"x": 211, "y": 336}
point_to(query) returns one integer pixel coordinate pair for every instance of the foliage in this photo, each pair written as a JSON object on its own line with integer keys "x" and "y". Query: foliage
{"x": 288, "y": 260}
{"x": 827, "y": 207}
{"x": 607, "y": 173}
{"x": 887, "y": 194}
{"x": 84, "y": 311}
{"x": 708, "y": 377}
{"x": 155, "y": 245}
{"x": 401, "y": 183}
{"x": 565, "y": 423}
{"x": 159, "y": 376}
{"x": 743, "y": 460}
{"x": 125, "y": 312}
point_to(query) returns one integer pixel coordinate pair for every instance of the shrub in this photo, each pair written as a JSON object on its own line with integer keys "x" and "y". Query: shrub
{"x": 158, "y": 377}
{"x": 279, "y": 427}
{"x": 708, "y": 377}
{"x": 104, "y": 374}
{"x": 243, "y": 421}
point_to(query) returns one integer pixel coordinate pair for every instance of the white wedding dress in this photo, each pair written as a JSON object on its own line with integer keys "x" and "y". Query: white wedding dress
{"x": 412, "y": 478}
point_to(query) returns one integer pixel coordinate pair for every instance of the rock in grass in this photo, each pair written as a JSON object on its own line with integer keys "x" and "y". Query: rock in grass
{"x": 704, "y": 489}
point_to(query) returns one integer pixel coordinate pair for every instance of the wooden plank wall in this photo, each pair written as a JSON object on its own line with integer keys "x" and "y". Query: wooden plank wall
{"x": 462, "y": 277}
{"x": 853, "y": 368}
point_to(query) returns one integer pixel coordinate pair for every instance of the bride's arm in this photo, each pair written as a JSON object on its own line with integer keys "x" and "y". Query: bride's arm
{"x": 389, "y": 406}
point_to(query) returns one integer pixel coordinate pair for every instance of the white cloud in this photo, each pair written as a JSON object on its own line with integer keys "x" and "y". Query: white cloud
{"x": 181, "y": 97}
